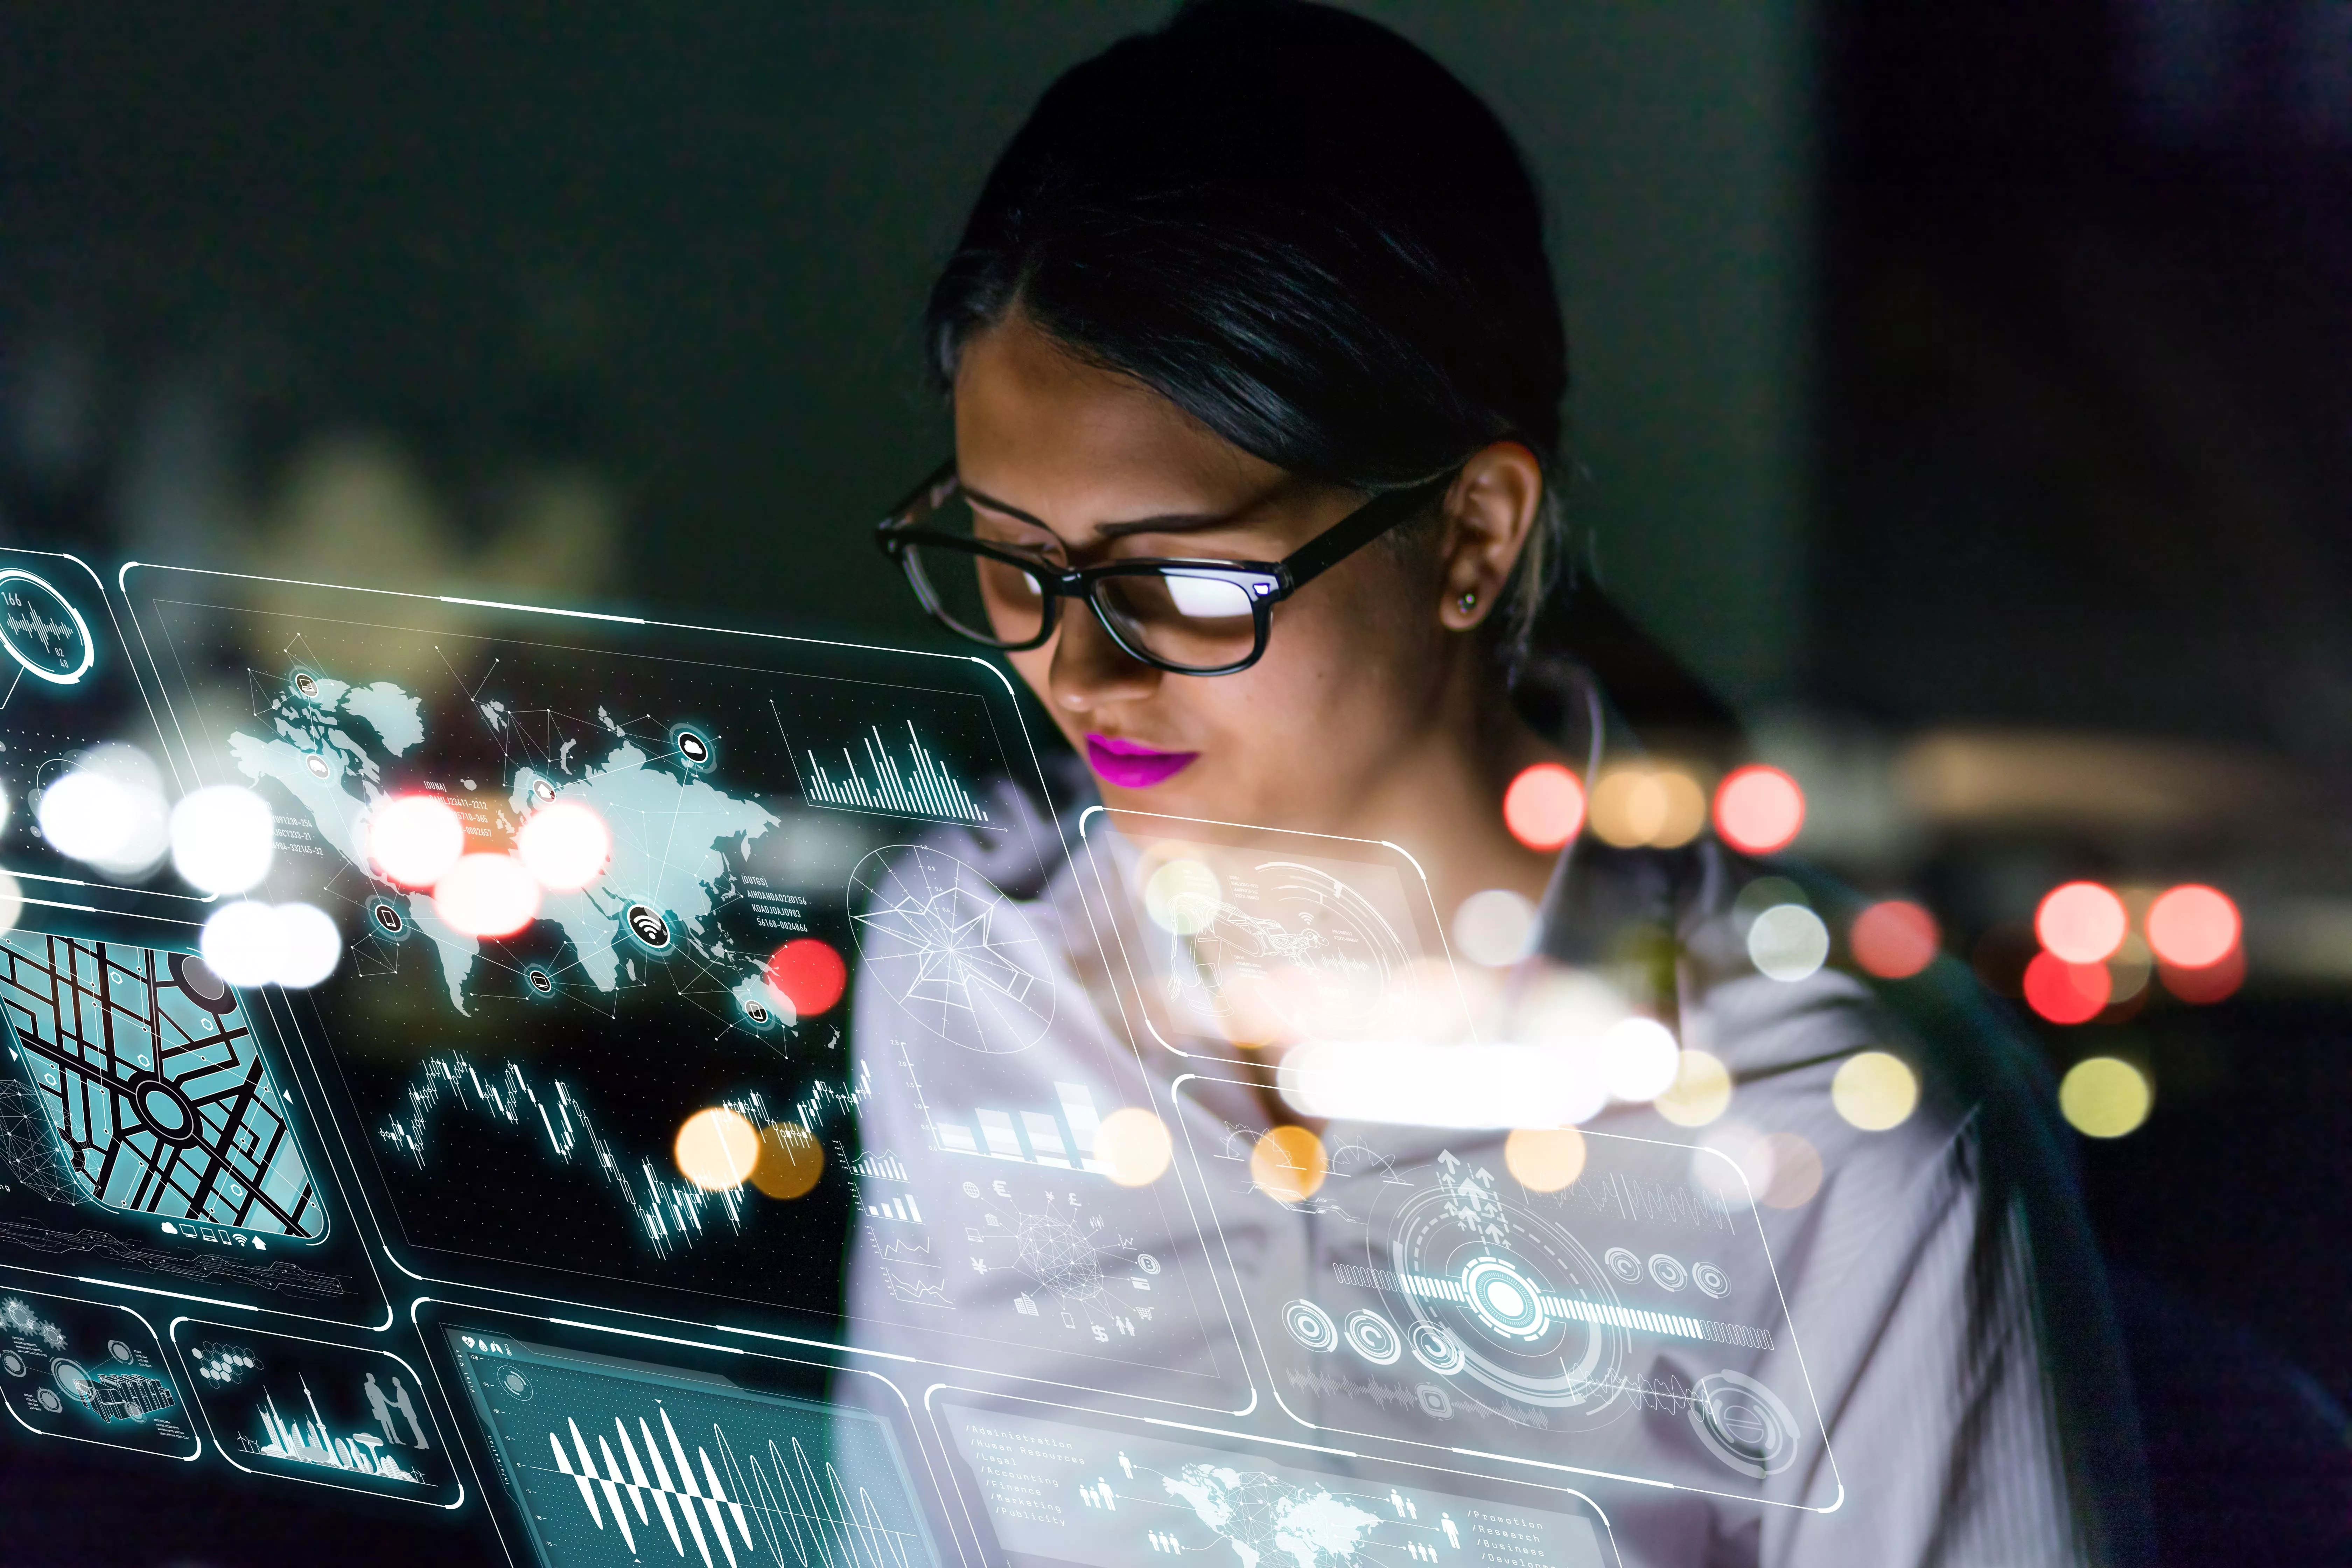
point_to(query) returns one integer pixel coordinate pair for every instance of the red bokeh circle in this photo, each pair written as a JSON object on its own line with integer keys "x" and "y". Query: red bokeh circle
{"x": 809, "y": 974}
{"x": 2193, "y": 926}
{"x": 1894, "y": 940}
{"x": 1544, "y": 807}
{"x": 2066, "y": 993}
{"x": 1758, "y": 809}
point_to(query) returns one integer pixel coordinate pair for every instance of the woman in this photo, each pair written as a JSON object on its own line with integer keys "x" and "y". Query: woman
{"x": 1269, "y": 288}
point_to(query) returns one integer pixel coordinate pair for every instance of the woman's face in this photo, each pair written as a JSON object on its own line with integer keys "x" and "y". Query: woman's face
{"x": 1058, "y": 453}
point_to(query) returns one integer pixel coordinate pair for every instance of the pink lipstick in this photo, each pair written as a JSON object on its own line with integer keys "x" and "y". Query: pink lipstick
{"x": 1130, "y": 765}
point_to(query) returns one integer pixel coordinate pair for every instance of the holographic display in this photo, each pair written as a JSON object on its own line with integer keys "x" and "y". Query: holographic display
{"x": 310, "y": 1410}
{"x": 1069, "y": 1491}
{"x": 613, "y": 1461}
{"x": 90, "y": 1373}
{"x": 1449, "y": 1305}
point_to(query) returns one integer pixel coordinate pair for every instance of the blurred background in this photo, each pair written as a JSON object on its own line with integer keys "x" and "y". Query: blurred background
{"x": 1964, "y": 394}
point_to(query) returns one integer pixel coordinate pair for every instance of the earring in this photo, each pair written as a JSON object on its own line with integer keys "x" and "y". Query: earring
{"x": 1468, "y": 602}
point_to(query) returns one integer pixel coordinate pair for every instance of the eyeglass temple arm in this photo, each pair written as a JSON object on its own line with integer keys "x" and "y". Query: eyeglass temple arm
{"x": 928, "y": 496}
{"x": 1358, "y": 528}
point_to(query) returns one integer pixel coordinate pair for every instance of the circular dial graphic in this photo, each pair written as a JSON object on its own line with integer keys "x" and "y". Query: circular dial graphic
{"x": 41, "y": 629}
{"x": 951, "y": 949}
{"x": 1504, "y": 1296}
{"x": 1311, "y": 950}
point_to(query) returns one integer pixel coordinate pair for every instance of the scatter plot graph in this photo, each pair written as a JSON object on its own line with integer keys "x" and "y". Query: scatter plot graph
{"x": 614, "y": 1462}
{"x": 151, "y": 1082}
{"x": 922, "y": 786}
{"x": 960, "y": 957}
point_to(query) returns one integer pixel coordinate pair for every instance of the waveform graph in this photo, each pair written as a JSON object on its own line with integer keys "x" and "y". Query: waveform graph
{"x": 958, "y": 956}
{"x": 614, "y": 1462}
{"x": 871, "y": 776}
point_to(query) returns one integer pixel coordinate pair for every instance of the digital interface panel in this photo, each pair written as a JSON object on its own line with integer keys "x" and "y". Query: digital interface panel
{"x": 613, "y": 1461}
{"x": 1061, "y": 1489}
{"x": 728, "y": 999}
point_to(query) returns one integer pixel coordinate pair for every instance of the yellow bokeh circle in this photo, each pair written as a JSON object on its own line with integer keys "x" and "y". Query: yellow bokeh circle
{"x": 2105, "y": 1097}
{"x": 1701, "y": 1091}
{"x": 791, "y": 1161}
{"x": 1875, "y": 1091}
{"x": 1135, "y": 1144}
{"x": 1288, "y": 1165}
{"x": 1545, "y": 1159}
{"x": 718, "y": 1149}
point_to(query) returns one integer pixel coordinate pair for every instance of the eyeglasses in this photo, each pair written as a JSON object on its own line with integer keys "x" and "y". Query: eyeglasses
{"x": 1188, "y": 617}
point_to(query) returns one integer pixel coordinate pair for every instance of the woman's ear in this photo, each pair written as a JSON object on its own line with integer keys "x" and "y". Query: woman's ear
{"x": 1489, "y": 515}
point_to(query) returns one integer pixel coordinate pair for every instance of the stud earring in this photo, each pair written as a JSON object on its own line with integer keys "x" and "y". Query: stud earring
{"x": 1468, "y": 602}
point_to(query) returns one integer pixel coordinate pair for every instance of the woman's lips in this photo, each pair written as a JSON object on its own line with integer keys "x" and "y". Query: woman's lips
{"x": 1130, "y": 765}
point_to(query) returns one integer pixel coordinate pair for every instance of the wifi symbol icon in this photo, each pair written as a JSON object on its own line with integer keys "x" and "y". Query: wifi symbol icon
{"x": 647, "y": 925}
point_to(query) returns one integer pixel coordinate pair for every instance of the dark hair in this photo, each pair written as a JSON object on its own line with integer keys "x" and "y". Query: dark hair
{"x": 1300, "y": 230}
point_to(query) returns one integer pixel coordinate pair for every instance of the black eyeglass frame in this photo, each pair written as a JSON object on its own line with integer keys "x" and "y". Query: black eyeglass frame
{"x": 1265, "y": 583}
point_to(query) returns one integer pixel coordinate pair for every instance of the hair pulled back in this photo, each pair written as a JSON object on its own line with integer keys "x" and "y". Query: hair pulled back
{"x": 1297, "y": 228}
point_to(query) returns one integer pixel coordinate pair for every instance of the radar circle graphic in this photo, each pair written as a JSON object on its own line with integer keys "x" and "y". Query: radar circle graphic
{"x": 958, "y": 955}
{"x": 1668, "y": 1272}
{"x": 41, "y": 629}
{"x": 1310, "y": 1325}
{"x": 1334, "y": 952}
{"x": 1501, "y": 1294}
{"x": 514, "y": 1384}
{"x": 1623, "y": 1265}
{"x": 1744, "y": 1424}
{"x": 1373, "y": 1337}
{"x": 1711, "y": 1279}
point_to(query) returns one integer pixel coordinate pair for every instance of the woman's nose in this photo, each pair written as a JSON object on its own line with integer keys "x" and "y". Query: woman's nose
{"x": 1089, "y": 669}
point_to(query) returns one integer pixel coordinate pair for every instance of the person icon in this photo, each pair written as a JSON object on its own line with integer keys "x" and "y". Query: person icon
{"x": 380, "y": 1409}
{"x": 1453, "y": 1531}
{"x": 400, "y": 1403}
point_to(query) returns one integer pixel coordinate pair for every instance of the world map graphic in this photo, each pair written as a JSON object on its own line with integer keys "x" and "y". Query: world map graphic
{"x": 329, "y": 747}
{"x": 1268, "y": 1520}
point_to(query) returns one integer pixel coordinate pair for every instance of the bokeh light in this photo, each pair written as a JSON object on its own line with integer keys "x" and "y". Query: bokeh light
{"x": 108, "y": 811}
{"x": 566, "y": 845}
{"x": 2081, "y": 923}
{"x": 1544, "y": 1158}
{"x": 243, "y": 943}
{"x": 1290, "y": 1164}
{"x": 309, "y": 947}
{"x": 808, "y": 974}
{"x": 1875, "y": 1090}
{"x": 1638, "y": 803}
{"x": 487, "y": 895}
{"x": 1758, "y": 809}
{"x": 1893, "y": 939}
{"x": 1796, "y": 1171}
{"x": 1496, "y": 928}
{"x": 222, "y": 838}
{"x": 414, "y": 839}
{"x": 1733, "y": 1163}
{"x": 2066, "y": 993}
{"x": 1639, "y": 1060}
{"x": 718, "y": 1149}
{"x": 1701, "y": 1090}
{"x": 2192, "y": 926}
{"x": 1183, "y": 896}
{"x": 2213, "y": 982}
{"x": 1788, "y": 943}
{"x": 1544, "y": 807}
{"x": 2105, "y": 1097}
{"x": 1134, "y": 1143}
{"x": 790, "y": 1161}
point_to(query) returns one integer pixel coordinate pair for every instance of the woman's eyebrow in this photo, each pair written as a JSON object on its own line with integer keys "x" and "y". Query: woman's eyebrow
{"x": 1167, "y": 522}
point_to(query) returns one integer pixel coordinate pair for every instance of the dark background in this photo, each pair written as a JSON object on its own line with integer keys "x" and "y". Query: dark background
{"x": 1964, "y": 391}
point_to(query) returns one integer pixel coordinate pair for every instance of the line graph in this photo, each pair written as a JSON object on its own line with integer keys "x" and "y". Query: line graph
{"x": 610, "y": 1459}
{"x": 922, "y": 787}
